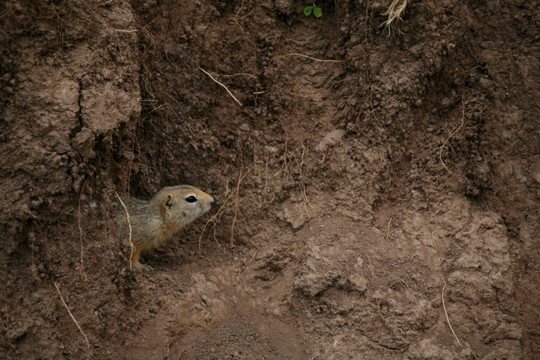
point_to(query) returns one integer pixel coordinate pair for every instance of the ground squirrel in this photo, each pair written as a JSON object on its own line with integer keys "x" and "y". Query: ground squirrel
{"x": 157, "y": 219}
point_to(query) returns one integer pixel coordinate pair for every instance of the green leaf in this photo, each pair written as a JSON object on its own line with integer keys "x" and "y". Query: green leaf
{"x": 307, "y": 10}
{"x": 317, "y": 11}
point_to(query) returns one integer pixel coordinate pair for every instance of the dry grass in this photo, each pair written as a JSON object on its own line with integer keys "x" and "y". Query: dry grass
{"x": 395, "y": 12}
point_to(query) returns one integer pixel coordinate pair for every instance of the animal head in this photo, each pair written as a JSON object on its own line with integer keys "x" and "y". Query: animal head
{"x": 183, "y": 203}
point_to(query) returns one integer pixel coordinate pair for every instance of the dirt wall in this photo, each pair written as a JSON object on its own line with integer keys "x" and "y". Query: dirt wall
{"x": 376, "y": 188}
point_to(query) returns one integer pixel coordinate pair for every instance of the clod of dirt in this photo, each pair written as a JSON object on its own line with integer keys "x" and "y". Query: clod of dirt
{"x": 330, "y": 139}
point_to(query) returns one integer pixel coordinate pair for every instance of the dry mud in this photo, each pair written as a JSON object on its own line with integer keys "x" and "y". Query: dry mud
{"x": 377, "y": 192}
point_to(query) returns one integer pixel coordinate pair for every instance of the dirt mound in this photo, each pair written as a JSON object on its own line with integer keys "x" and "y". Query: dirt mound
{"x": 377, "y": 188}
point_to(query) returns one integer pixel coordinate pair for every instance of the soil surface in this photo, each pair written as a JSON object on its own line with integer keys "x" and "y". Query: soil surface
{"x": 377, "y": 188}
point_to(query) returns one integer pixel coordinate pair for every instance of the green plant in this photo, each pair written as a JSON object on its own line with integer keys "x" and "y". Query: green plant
{"x": 313, "y": 9}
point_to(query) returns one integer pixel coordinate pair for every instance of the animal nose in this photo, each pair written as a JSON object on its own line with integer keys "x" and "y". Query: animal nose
{"x": 211, "y": 200}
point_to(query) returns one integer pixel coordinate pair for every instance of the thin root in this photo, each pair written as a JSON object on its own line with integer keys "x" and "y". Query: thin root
{"x": 310, "y": 58}
{"x": 370, "y": 266}
{"x": 212, "y": 219}
{"x": 240, "y": 179}
{"x": 130, "y": 230}
{"x": 250, "y": 260}
{"x": 81, "y": 267}
{"x": 220, "y": 84}
{"x": 72, "y": 317}
{"x": 446, "y": 314}
{"x": 455, "y": 131}
{"x": 395, "y": 11}
{"x": 387, "y": 236}
{"x": 241, "y": 74}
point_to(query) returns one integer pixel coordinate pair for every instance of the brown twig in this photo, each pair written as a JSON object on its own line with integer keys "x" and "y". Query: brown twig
{"x": 446, "y": 314}
{"x": 130, "y": 230}
{"x": 70, "y": 314}
{"x": 455, "y": 131}
{"x": 220, "y": 84}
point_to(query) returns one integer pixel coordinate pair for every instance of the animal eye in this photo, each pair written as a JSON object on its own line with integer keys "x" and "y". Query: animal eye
{"x": 191, "y": 199}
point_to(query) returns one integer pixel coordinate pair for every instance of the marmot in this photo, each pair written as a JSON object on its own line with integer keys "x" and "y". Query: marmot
{"x": 157, "y": 219}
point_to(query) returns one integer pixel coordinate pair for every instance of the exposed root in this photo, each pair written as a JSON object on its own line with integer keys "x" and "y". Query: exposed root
{"x": 455, "y": 131}
{"x": 341, "y": 81}
{"x": 126, "y": 30}
{"x": 223, "y": 86}
{"x": 130, "y": 230}
{"x": 220, "y": 210}
{"x": 409, "y": 289}
{"x": 241, "y": 177}
{"x": 438, "y": 252}
{"x": 81, "y": 266}
{"x": 387, "y": 236}
{"x": 236, "y": 16}
{"x": 310, "y": 58}
{"x": 250, "y": 260}
{"x": 302, "y": 184}
{"x": 241, "y": 74}
{"x": 304, "y": 196}
{"x": 395, "y": 12}
{"x": 72, "y": 317}
{"x": 285, "y": 167}
{"x": 371, "y": 269}
{"x": 446, "y": 314}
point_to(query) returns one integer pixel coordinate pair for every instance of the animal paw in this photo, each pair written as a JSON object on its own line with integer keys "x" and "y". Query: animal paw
{"x": 142, "y": 267}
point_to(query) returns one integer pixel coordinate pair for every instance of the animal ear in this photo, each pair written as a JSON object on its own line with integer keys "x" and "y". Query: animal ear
{"x": 166, "y": 205}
